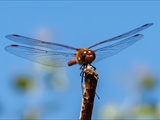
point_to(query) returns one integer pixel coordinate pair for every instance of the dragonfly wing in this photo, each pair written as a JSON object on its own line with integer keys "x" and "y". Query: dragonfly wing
{"x": 127, "y": 34}
{"x": 35, "y": 42}
{"x": 49, "y": 58}
{"x": 115, "y": 48}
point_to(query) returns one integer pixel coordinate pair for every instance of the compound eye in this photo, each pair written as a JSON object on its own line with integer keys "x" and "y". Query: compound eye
{"x": 84, "y": 53}
{"x": 89, "y": 52}
{"x": 90, "y": 56}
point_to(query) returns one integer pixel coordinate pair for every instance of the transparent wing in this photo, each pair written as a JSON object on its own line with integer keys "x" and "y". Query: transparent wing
{"x": 49, "y": 58}
{"x": 115, "y": 48}
{"x": 127, "y": 34}
{"x": 35, "y": 42}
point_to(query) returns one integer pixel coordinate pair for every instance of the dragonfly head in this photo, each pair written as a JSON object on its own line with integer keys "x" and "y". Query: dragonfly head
{"x": 85, "y": 56}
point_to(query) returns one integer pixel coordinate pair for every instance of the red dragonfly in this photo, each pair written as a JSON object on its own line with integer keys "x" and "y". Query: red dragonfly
{"x": 82, "y": 56}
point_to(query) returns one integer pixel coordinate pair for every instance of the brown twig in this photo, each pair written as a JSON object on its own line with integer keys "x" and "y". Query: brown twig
{"x": 89, "y": 90}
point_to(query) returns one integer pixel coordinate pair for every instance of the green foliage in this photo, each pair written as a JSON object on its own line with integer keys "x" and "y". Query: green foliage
{"x": 23, "y": 83}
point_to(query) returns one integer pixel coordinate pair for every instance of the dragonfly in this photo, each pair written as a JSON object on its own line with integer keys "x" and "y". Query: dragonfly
{"x": 56, "y": 57}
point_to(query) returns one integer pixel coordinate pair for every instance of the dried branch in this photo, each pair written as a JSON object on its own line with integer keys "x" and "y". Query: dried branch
{"x": 89, "y": 90}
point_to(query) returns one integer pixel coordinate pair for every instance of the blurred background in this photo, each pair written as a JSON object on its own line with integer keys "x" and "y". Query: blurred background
{"x": 128, "y": 83}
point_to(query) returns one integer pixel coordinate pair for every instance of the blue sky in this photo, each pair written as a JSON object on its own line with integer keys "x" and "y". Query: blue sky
{"x": 78, "y": 24}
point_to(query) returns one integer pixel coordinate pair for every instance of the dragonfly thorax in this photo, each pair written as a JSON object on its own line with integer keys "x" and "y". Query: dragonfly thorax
{"x": 85, "y": 56}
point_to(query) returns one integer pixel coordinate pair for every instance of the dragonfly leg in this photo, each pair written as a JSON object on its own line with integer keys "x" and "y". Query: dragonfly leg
{"x": 82, "y": 67}
{"x": 97, "y": 95}
{"x": 82, "y": 75}
{"x": 82, "y": 81}
{"x": 94, "y": 68}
